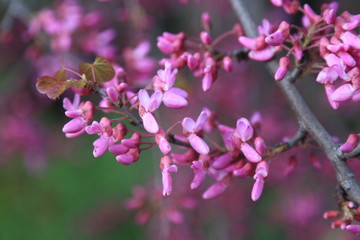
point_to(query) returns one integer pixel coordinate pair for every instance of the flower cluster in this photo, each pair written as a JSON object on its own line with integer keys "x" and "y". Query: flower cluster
{"x": 326, "y": 43}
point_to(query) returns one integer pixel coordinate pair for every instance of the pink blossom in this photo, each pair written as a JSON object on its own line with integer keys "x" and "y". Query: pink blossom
{"x": 162, "y": 142}
{"x": 215, "y": 190}
{"x": 129, "y": 157}
{"x": 228, "y": 63}
{"x": 261, "y": 173}
{"x": 164, "y": 82}
{"x": 192, "y": 128}
{"x": 343, "y": 93}
{"x": 222, "y": 161}
{"x": 149, "y": 104}
{"x": 82, "y": 114}
{"x": 205, "y": 38}
{"x": 355, "y": 229}
{"x": 284, "y": 65}
{"x": 170, "y": 43}
{"x": 280, "y": 35}
{"x": 206, "y": 21}
{"x": 166, "y": 179}
{"x": 104, "y": 131}
{"x": 199, "y": 169}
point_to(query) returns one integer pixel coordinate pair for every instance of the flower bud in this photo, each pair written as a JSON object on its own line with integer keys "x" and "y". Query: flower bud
{"x": 228, "y": 64}
{"x": 206, "y": 21}
{"x": 260, "y": 145}
{"x": 205, "y": 38}
{"x": 215, "y": 190}
{"x": 284, "y": 65}
{"x": 112, "y": 93}
{"x": 351, "y": 142}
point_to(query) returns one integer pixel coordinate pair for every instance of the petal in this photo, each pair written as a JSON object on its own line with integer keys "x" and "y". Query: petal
{"x": 215, "y": 190}
{"x": 164, "y": 146}
{"x": 343, "y": 93}
{"x": 250, "y": 153}
{"x": 223, "y": 161}
{"x": 260, "y": 145}
{"x": 144, "y": 98}
{"x": 166, "y": 179}
{"x": 155, "y": 101}
{"x": 243, "y": 171}
{"x": 207, "y": 81}
{"x": 179, "y": 91}
{"x": 94, "y": 128}
{"x": 75, "y": 134}
{"x": 355, "y": 229}
{"x": 118, "y": 149}
{"x": 263, "y": 55}
{"x": 351, "y": 39}
{"x": 229, "y": 140}
{"x": 150, "y": 123}
{"x": 329, "y": 89}
{"x": 173, "y": 100}
{"x": 74, "y": 125}
{"x": 73, "y": 113}
{"x": 327, "y": 75}
{"x": 199, "y": 174}
{"x": 198, "y": 144}
{"x": 125, "y": 159}
{"x": 275, "y": 39}
{"x": 244, "y": 129}
{"x": 100, "y": 146}
{"x": 67, "y": 105}
{"x": 188, "y": 124}
{"x": 200, "y": 121}
{"x": 257, "y": 189}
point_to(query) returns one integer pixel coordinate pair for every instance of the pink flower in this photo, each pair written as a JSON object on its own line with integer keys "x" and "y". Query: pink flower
{"x": 284, "y": 65}
{"x": 167, "y": 168}
{"x": 161, "y": 141}
{"x": 343, "y": 93}
{"x": 260, "y": 50}
{"x": 147, "y": 106}
{"x": 280, "y": 35}
{"x": 244, "y": 132}
{"x": 215, "y": 190}
{"x": 104, "y": 130}
{"x": 205, "y": 38}
{"x": 192, "y": 128}
{"x": 164, "y": 82}
{"x": 355, "y": 229}
{"x": 170, "y": 43}
{"x": 261, "y": 173}
{"x": 130, "y": 157}
{"x": 199, "y": 173}
{"x": 82, "y": 114}
{"x": 222, "y": 161}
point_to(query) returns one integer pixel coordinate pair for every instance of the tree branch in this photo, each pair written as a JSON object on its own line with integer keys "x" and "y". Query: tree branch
{"x": 311, "y": 124}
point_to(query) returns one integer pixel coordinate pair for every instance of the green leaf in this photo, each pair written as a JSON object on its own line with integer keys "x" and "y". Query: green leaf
{"x": 54, "y": 86}
{"x": 60, "y": 75}
{"x": 79, "y": 83}
{"x": 100, "y": 71}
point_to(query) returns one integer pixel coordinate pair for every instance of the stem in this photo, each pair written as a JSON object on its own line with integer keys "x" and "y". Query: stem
{"x": 307, "y": 119}
{"x": 299, "y": 137}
